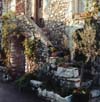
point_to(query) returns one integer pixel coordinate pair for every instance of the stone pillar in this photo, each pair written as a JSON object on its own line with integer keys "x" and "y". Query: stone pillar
{"x": 45, "y": 5}
{"x": 33, "y": 7}
{"x": 73, "y": 27}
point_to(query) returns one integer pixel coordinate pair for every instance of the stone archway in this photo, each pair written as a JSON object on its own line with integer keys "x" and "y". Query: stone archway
{"x": 16, "y": 57}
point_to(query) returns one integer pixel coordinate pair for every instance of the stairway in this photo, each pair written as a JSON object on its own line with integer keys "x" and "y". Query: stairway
{"x": 38, "y": 31}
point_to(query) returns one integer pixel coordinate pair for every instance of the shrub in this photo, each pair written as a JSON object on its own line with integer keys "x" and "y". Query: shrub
{"x": 23, "y": 83}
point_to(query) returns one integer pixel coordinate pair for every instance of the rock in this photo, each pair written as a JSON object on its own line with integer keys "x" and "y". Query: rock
{"x": 39, "y": 91}
{"x": 68, "y": 76}
{"x": 6, "y": 77}
{"x": 95, "y": 93}
{"x": 67, "y": 72}
{"x": 44, "y": 93}
{"x": 36, "y": 83}
{"x": 2, "y": 68}
{"x": 87, "y": 84}
{"x": 68, "y": 98}
{"x": 73, "y": 82}
{"x": 53, "y": 96}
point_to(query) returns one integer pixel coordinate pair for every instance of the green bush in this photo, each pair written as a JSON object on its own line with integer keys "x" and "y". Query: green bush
{"x": 24, "y": 82}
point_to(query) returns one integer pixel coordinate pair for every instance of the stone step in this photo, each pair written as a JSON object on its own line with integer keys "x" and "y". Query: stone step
{"x": 39, "y": 32}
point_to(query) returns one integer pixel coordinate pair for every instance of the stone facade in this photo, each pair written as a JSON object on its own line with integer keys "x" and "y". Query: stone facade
{"x": 9, "y": 5}
{"x": 0, "y": 20}
{"x": 57, "y": 15}
{"x": 5, "y": 6}
{"x": 54, "y": 15}
{"x": 0, "y": 7}
{"x": 28, "y": 7}
{"x": 20, "y": 7}
{"x": 60, "y": 21}
{"x": 16, "y": 57}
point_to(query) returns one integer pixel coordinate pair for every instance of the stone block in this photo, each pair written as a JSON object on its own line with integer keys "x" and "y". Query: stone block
{"x": 36, "y": 83}
{"x": 95, "y": 93}
{"x": 67, "y": 72}
{"x": 73, "y": 82}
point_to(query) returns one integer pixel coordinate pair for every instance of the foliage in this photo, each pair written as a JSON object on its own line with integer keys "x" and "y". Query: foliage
{"x": 85, "y": 38}
{"x": 31, "y": 48}
{"x": 6, "y": 29}
{"x": 23, "y": 83}
{"x": 20, "y": 27}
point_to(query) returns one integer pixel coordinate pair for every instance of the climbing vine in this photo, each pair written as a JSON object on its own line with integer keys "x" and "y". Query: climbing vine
{"x": 31, "y": 47}
{"x": 16, "y": 27}
{"x": 7, "y": 29}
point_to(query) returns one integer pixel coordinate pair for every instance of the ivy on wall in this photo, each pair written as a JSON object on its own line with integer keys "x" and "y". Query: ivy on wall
{"x": 31, "y": 47}
{"x": 7, "y": 27}
{"x": 16, "y": 27}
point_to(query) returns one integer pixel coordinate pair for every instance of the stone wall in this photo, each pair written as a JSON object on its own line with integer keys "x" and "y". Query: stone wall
{"x": 17, "y": 57}
{"x": 57, "y": 15}
{"x": 20, "y": 7}
{"x": 28, "y": 7}
{"x": 59, "y": 20}
{"x": 0, "y": 7}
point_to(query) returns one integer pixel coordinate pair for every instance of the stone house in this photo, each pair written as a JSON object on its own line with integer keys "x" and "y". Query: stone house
{"x": 20, "y": 7}
{"x": 16, "y": 58}
{"x": 59, "y": 19}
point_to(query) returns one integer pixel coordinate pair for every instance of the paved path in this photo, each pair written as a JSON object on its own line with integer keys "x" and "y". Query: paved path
{"x": 8, "y": 93}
